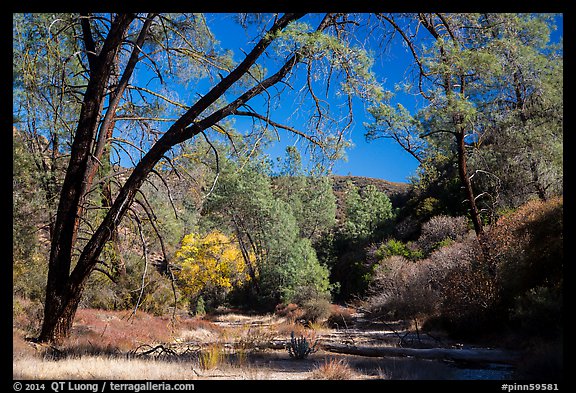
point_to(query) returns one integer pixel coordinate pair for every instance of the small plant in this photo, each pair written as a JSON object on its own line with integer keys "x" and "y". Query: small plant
{"x": 333, "y": 369}
{"x": 212, "y": 357}
{"x": 299, "y": 348}
{"x": 200, "y": 307}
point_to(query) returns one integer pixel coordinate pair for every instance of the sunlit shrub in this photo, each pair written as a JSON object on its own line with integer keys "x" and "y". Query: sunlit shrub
{"x": 396, "y": 247}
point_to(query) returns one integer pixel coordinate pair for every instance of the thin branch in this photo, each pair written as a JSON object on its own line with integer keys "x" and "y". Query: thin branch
{"x": 88, "y": 41}
{"x": 152, "y": 218}
{"x": 167, "y": 189}
{"x": 143, "y": 118}
{"x": 145, "y": 250}
{"x": 427, "y": 134}
{"x": 107, "y": 274}
{"x": 159, "y": 96}
{"x": 217, "y": 165}
{"x": 278, "y": 125}
{"x": 412, "y": 48}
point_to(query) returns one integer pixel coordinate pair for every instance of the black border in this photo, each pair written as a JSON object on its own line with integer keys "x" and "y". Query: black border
{"x": 312, "y": 7}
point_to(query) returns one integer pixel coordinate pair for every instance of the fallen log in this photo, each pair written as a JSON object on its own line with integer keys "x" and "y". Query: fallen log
{"x": 477, "y": 355}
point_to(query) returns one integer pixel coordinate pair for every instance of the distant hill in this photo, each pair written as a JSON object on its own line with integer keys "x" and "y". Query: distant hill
{"x": 397, "y": 192}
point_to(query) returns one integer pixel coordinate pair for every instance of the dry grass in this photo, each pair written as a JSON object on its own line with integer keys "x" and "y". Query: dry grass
{"x": 291, "y": 312}
{"x": 118, "y": 330}
{"x": 100, "y": 367}
{"x": 334, "y": 369}
{"x": 211, "y": 357}
{"x": 234, "y": 347}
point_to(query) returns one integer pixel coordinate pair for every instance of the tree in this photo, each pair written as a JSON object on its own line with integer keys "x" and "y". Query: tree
{"x": 481, "y": 74}
{"x": 309, "y": 194}
{"x": 368, "y": 211}
{"x": 27, "y": 208}
{"x": 367, "y": 218}
{"x": 107, "y": 52}
{"x": 290, "y": 271}
{"x": 209, "y": 264}
{"x": 281, "y": 263}
{"x": 446, "y": 67}
{"x": 521, "y": 142}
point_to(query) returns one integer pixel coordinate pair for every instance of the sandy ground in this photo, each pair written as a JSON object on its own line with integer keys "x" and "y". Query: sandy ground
{"x": 250, "y": 348}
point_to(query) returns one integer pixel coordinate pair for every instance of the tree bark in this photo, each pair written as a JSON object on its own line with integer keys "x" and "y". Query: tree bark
{"x": 467, "y": 184}
{"x": 59, "y": 308}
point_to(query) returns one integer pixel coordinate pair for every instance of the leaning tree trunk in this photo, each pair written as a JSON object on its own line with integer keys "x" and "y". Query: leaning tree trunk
{"x": 471, "y": 199}
{"x": 64, "y": 289}
{"x": 62, "y": 302}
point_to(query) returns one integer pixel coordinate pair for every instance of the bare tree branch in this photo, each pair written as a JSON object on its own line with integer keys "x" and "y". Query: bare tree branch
{"x": 278, "y": 125}
{"x": 168, "y": 190}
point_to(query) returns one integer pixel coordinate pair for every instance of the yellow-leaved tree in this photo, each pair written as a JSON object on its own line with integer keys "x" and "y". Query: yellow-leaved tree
{"x": 210, "y": 265}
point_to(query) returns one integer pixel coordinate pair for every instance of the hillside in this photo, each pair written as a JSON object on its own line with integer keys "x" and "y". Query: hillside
{"x": 397, "y": 192}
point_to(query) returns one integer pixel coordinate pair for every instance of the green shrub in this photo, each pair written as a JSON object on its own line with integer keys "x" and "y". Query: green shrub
{"x": 396, "y": 247}
{"x": 200, "y": 308}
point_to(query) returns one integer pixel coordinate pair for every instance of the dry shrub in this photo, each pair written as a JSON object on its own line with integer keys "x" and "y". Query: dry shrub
{"x": 542, "y": 362}
{"x": 97, "y": 331}
{"x": 27, "y": 315}
{"x": 291, "y": 311}
{"x": 340, "y": 317}
{"x": 468, "y": 293}
{"x": 197, "y": 323}
{"x": 470, "y": 300}
{"x": 401, "y": 288}
{"x": 333, "y": 369}
{"x": 253, "y": 338}
{"x": 527, "y": 246}
{"x": 439, "y": 228}
{"x": 316, "y": 309}
{"x": 284, "y": 329}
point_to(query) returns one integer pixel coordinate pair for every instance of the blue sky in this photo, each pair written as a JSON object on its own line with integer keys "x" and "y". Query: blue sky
{"x": 382, "y": 158}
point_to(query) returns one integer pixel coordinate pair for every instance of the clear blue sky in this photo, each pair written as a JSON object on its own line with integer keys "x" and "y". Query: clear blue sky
{"x": 382, "y": 158}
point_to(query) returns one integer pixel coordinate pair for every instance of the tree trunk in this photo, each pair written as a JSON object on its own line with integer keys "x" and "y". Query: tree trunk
{"x": 64, "y": 289}
{"x": 466, "y": 183}
{"x": 472, "y": 355}
{"x": 62, "y": 297}
{"x": 59, "y": 315}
